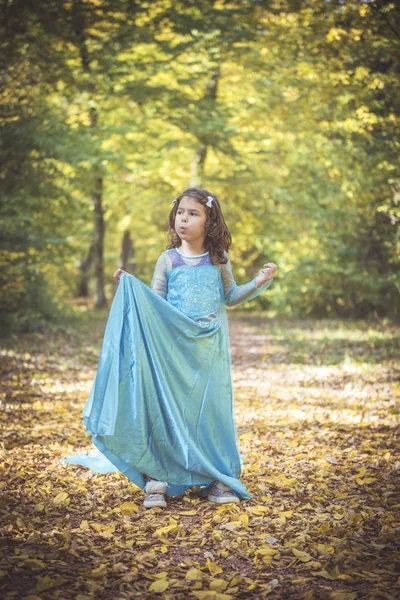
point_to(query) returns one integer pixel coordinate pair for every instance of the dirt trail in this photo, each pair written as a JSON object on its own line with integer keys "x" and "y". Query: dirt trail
{"x": 317, "y": 406}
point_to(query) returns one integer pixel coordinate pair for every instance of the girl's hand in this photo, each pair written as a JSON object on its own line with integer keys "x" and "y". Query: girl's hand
{"x": 266, "y": 273}
{"x": 118, "y": 274}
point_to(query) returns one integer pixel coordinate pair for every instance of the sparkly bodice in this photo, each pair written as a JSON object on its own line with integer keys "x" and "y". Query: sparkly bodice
{"x": 195, "y": 291}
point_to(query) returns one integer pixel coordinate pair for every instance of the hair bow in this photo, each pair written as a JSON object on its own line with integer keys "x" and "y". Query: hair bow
{"x": 209, "y": 201}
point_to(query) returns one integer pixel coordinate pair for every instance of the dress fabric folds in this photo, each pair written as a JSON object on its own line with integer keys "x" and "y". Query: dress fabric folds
{"x": 162, "y": 401}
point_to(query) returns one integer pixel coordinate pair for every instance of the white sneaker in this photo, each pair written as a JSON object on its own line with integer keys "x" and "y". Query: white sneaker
{"x": 221, "y": 493}
{"x": 155, "y": 491}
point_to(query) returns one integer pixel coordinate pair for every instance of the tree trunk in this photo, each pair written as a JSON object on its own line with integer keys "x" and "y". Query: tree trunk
{"x": 126, "y": 262}
{"x": 99, "y": 296}
{"x": 197, "y": 166}
{"x": 97, "y": 193}
{"x": 84, "y": 265}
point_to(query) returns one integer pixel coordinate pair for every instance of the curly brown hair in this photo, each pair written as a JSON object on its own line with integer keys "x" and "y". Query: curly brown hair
{"x": 218, "y": 237}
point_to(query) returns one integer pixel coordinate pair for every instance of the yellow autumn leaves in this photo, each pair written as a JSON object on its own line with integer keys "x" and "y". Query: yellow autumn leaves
{"x": 194, "y": 577}
{"x": 322, "y": 521}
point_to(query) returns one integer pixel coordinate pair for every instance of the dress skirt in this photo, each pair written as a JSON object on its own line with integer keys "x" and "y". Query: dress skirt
{"x": 162, "y": 399}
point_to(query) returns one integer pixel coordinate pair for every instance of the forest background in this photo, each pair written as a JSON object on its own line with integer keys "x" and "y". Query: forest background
{"x": 288, "y": 111}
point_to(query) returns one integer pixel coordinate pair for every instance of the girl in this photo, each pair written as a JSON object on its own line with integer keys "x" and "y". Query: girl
{"x": 161, "y": 408}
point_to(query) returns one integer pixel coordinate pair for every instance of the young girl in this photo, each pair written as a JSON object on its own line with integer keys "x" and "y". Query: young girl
{"x": 161, "y": 408}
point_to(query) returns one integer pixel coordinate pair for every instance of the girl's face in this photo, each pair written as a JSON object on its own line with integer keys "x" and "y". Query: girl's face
{"x": 190, "y": 220}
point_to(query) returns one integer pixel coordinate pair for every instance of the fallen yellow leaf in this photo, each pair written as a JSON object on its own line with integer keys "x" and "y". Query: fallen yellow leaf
{"x": 106, "y": 531}
{"x": 343, "y": 595}
{"x": 232, "y": 525}
{"x": 99, "y": 572}
{"x": 244, "y": 519}
{"x": 193, "y": 574}
{"x": 47, "y": 582}
{"x": 258, "y": 510}
{"x": 338, "y": 516}
{"x": 213, "y": 567}
{"x": 333, "y": 574}
{"x": 173, "y": 527}
{"x": 325, "y": 548}
{"x": 218, "y": 585}
{"x": 60, "y": 498}
{"x": 161, "y": 575}
{"x": 159, "y": 586}
{"x": 212, "y": 596}
{"x": 127, "y": 508}
{"x": 303, "y": 556}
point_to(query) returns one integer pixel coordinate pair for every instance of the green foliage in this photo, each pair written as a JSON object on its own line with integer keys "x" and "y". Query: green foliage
{"x": 26, "y": 302}
{"x": 289, "y": 112}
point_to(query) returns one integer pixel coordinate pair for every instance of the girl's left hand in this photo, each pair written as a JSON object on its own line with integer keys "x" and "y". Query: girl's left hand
{"x": 118, "y": 274}
{"x": 266, "y": 273}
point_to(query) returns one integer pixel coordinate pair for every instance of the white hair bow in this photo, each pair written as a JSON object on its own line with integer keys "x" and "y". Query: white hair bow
{"x": 208, "y": 203}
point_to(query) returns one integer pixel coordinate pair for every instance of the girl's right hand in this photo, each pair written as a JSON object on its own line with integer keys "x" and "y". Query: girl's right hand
{"x": 266, "y": 273}
{"x": 118, "y": 274}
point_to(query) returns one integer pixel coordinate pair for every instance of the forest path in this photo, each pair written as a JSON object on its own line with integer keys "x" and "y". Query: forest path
{"x": 317, "y": 406}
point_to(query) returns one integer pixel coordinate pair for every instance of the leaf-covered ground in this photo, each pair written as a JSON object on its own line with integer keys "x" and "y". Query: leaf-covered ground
{"x": 318, "y": 416}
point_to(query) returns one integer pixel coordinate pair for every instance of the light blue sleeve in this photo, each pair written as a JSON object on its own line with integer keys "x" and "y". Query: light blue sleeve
{"x": 238, "y": 294}
{"x": 159, "y": 282}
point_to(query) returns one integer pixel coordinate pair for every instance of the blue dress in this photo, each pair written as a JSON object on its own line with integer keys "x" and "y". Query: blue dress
{"x": 162, "y": 401}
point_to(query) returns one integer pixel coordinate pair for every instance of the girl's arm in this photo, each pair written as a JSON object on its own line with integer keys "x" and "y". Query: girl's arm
{"x": 159, "y": 283}
{"x": 237, "y": 294}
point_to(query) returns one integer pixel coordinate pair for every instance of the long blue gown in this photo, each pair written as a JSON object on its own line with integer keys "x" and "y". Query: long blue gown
{"x": 162, "y": 401}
